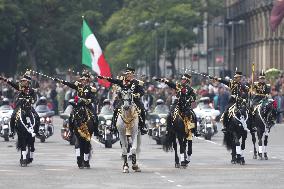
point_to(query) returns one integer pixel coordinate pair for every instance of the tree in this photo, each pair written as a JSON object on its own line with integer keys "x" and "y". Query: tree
{"x": 45, "y": 34}
{"x": 135, "y": 28}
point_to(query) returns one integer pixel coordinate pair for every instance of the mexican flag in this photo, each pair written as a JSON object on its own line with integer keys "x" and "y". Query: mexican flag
{"x": 92, "y": 55}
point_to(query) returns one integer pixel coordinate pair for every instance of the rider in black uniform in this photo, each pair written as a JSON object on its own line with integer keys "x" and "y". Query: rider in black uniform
{"x": 86, "y": 93}
{"x": 185, "y": 96}
{"x": 25, "y": 92}
{"x": 261, "y": 90}
{"x": 137, "y": 86}
{"x": 238, "y": 91}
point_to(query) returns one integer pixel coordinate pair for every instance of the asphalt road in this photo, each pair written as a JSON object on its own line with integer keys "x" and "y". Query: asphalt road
{"x": 55, "y": 166}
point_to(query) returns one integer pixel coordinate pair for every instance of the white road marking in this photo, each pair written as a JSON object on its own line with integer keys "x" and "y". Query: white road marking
{"x": 209, "y": 141}
{"x": 55, "y": 169}
{"x": 163, "y": 176}
{"x": 97, "y": 142}
{"x": 171, "y": 181}
{"x": 178, "y": 185}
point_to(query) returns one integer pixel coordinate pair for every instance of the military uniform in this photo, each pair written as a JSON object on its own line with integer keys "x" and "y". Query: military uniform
{"x": 238, "y": 91}
{"x": 87, "y": 94}
{"x": 260, "y": 89}
{"x": 137, "y": 88}
{"x": 25, "y": 92}
{"x": 185, "y": 96}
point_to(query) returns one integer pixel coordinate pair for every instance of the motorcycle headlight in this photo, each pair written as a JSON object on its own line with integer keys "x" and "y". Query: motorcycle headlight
{"x": 208, "y": 119}
{"x": 42, "y": 120}
{"x": 6, "y": 120}
{"x": 102, "y": 122}
{"x": 108, "y": 122}
{"x": 157, "y": 120}
{"x": 48, "y": 119}
{"x": 163, "y": 120}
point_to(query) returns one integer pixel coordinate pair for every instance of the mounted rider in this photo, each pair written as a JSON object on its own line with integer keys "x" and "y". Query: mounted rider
{"x": 137, "y": 88}
{"x": 25, "y": 92}
{"x": 239, "y": 91}
{"x": 86, "y": 93}
{"x": 185, "y": 96}
{"x": 261, "y": 90}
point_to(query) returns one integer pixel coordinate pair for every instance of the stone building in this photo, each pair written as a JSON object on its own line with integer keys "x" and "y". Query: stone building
{"x": 249, "y": 38}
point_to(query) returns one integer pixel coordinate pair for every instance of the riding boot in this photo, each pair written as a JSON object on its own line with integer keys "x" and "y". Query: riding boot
{"x": 114, "y": 120}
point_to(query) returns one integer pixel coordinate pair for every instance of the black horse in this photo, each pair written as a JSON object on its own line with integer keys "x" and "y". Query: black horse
{"x": 26, "y": 128}
{"x": 237, "y": 124}
{"x": 263, "y": 118}
{"x": 83, "y": 127}
{"x": 180, "y": 125}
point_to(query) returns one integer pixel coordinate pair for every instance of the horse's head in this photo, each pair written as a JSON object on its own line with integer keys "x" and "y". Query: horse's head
{"x": 269, "y": 109}
{"x": 127, "y": 98}
{"x": 78, "y": 108}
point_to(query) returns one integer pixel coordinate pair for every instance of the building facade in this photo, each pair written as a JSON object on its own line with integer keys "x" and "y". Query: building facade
{"x": 249, "y": 38}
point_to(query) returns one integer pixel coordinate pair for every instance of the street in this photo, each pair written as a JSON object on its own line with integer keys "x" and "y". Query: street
{"x": 55, "y": 166}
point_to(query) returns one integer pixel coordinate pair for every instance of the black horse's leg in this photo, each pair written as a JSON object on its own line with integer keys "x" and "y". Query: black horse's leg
{"x": 32, "y": 149}
{"x": 254, "y": 148}
{"x": 260, "y": 147}
{"x": 265, "y": 147}
{"x": 23, "y": 160}
{"x": 234, "y": 153}
{"x": 182, "y": 152}
{"x": 177, "y": 164}
{"x": 189, "y": 150}
{"x": 243, "y": 146}
{"x": 86, "y": 146}
{"x": 78, "y": 152}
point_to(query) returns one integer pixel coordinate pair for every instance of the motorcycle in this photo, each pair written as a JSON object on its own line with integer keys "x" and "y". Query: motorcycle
{"x": 108, "y": 137}
{"x": 46, "y": 128}
{"x": 6, "y": 112}
{"x": 158, "y": 123}
{"x": 66, "y": 134}
{"x": 206, "y": 118}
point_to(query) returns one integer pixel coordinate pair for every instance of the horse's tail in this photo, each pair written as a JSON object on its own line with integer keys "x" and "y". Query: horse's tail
{"x": 228, "y": 140}
{"x": 170, "y": 136}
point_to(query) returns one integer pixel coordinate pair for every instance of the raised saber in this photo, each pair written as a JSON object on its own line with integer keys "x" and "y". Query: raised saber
{"x": 41, "y": 74}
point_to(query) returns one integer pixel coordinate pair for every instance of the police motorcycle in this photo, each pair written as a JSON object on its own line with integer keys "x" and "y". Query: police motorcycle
{"x": 206, "y": 118}
{"x": 158, "y": 122}
{"x": 46, "y": 128}
{"x": 66, "y": 134}
{"x": 107, "y": 136}
{"x": 6, "y": 112}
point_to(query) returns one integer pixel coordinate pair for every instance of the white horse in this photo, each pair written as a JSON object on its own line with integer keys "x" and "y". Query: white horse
{"x": 127, "y": 126}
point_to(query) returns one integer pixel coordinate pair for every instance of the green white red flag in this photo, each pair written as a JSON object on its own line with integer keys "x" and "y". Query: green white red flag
{"x": 92, "y": 55}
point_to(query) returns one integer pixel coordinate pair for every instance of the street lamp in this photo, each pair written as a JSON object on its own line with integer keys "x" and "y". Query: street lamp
{"x": 153, "y": 25}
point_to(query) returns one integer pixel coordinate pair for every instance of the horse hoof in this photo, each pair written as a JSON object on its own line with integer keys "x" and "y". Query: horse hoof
{"x": 183, "y": 164}
{"x": 177, "y": 165}
{"x": 136, "y": 168}
{"x": 125, "y": 170}
{"x": 130, "y": 157}
{"x": 23, "y": 163}
{"x": 233, "y": 161}
{"x": 254, "y": 156}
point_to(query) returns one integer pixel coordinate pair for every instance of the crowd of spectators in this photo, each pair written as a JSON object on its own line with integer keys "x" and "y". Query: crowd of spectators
{"x": 58, "y": 95}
